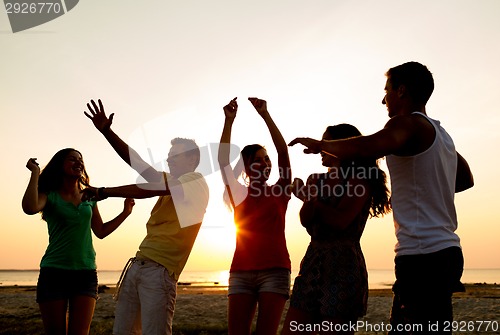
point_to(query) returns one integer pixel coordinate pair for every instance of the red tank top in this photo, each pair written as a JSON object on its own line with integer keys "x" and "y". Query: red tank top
{"x": 260, "y": 235}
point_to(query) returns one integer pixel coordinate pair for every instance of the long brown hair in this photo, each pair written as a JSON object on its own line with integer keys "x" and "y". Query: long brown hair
{"x": 51, "y": 177}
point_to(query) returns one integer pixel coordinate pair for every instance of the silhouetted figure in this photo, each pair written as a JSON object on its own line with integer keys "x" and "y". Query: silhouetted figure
{"x": 148, "y": 287}
{"x": 68, "y": 277}
{"x": 425, "y": 172}
{"x": 332, "y": 284}
{"x": 260, "y": 270}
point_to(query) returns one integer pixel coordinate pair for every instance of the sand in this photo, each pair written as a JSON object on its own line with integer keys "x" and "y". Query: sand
{"x": 205, "y": 308}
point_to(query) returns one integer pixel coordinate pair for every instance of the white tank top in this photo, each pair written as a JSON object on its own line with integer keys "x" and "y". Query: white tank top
{"x": 423, "y": 193}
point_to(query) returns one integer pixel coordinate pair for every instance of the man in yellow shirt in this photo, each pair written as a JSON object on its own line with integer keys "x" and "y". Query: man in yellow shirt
{"x": 147, "y": 293}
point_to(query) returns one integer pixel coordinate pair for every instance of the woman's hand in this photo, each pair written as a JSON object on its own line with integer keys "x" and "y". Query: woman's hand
{"x": 298, "y": 189}
{"x": 310, "y": 191}
{"x": 128, "y": 204}
{"x": 231, "y": 108}
{"x": 260, "y": 106}
{"x": 33, "y": 202}
{"x": 32, "y": 165}
{"x": 314, "y": 186}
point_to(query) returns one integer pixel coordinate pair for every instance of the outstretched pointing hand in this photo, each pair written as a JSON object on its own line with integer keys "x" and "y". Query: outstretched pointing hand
{"x": 312, "y": 146}
{"x": 98, "y": 116}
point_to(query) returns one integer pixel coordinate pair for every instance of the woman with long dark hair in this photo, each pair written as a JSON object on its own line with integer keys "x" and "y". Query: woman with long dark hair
{"x": 332, "y": 284}
{"x": 68, "y": 277}
{"x": 260, "y": 269}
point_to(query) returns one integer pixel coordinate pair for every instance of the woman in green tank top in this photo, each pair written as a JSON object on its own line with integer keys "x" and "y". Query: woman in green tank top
{"x": 68, "y": 277}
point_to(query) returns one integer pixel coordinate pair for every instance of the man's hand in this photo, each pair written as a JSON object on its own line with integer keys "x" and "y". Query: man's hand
{"x": 91, "y": 194}
{"x": 98, "y": 116}
{"x": 312, "y": 146}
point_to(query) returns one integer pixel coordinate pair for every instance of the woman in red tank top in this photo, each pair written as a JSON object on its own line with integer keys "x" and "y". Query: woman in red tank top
{"x": 260, "y": 270}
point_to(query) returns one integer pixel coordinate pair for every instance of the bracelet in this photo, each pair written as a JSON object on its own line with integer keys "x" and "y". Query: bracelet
{"x": 100, "y": 193}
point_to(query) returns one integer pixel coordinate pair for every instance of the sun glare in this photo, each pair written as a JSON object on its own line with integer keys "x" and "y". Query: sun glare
{"x": 218, "y": 227}
{"x": 224, "y": 278}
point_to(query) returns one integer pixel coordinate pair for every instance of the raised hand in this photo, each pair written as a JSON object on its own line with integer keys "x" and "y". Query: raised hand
{"x": 32, "y": 165}
{"x": 231, "y": 108}
{"x": 314, "y": 186}
{"x": 98, "y": 116}
{"x": 260, "y": 105}
{"x": 312, "y": 146}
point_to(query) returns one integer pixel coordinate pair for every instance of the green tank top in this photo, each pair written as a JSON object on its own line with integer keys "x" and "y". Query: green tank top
{"x": 70, "y": 237}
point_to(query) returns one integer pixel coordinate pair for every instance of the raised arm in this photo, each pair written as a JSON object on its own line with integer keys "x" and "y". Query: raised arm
{"x": 225, "y": 142}
{"x": 278, "y": 140}
{"x": 33, "y": 201}
{"x": 129, "y": 155}
{"x": 464, "y": 178}
{"x": 100, "y": 229}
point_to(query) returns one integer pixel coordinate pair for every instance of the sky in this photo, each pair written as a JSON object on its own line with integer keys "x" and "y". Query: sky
{"x": 166, "y": 69}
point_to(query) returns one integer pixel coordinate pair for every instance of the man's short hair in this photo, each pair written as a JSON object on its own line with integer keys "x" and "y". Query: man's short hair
{"x": 415, "y": 77}
{"x": 191, "y": 146}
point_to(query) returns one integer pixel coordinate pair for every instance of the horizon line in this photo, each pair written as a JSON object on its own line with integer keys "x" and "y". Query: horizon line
{"x": 293, "y": 270}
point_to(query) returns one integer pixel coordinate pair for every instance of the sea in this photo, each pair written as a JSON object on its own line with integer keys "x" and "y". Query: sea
{"x": 377, "y": 278}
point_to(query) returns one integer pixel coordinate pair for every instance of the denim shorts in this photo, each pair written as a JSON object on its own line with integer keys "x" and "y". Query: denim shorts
{"x": 254, "y": 282}
{"x": 59, "y": 284}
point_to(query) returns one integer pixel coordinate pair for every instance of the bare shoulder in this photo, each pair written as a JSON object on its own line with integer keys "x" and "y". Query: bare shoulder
{"x": 414, "y": 132}
{"x": 404, "y": 122}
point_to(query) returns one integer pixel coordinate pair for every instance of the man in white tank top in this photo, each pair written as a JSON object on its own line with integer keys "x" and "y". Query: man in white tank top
{"x": 426, "y": 172}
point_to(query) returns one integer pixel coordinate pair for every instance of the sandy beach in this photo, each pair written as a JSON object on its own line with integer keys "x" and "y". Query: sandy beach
{"x": 202, "y": 310}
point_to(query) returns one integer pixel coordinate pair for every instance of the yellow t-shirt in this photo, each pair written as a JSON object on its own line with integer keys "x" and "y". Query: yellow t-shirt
{"x": 174, "y": 223}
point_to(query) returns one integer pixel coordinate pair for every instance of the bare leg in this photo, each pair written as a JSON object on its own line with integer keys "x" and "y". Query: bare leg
{"x": 270, "y": 310}
{"x": 81, "y": 310}
{"x": 241, "y": 312}
{"x": 54, "y": 316}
